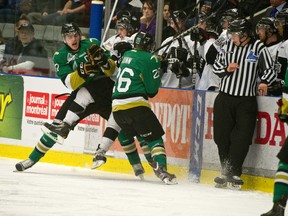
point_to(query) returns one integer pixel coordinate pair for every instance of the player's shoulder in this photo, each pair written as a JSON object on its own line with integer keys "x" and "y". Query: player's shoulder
{"x": 89, "y": 41}
{"x": 60, "y": 55}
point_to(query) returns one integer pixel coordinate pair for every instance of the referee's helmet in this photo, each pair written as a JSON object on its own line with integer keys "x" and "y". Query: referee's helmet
{"x": 240, "y": 26}
{"x": 282, "y": 17}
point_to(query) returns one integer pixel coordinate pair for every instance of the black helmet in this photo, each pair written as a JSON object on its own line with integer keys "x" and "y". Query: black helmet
{"x": 70, "y": 28}
{"x": 240, "y": 26}
{"x": 269, "y": 23}
{"x": 130, "y": 23}
{"x": 143, "y": 40}
{"x": 179, "y": 15}
{"x": 282, "y": 17}
{"x": 230, "y": 15}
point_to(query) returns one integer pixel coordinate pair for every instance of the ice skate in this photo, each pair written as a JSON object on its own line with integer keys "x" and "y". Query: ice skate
{"x": 23, "y": 165}
{"x": 138, "y": 170}
{"x": 277, "y": 210}
{"x": 99, "y": 158}
{"x": 221, "y": 181}
{"x": 57, "y": 132}
{"x": 161, "y": 173}
{"x": 234, "y": 182}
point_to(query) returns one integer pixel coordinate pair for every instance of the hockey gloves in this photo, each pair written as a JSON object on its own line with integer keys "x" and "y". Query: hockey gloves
{"x": 180, "y": 69}
{"x": 199, "y": 34}
{"x": 283, "y": 110}
{"x": 85, "y": 69}
{"x": 96, "y": 55}
{"x": 179, "y": 56}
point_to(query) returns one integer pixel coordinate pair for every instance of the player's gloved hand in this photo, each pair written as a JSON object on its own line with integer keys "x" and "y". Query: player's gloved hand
{"x": 198, "y": 34}
{"x": 85, "y": 69}
{"x": 96, "y": 55}
{"x": 180, "y": 69}
{"x": 179, "y": 53}
{"x": 283, "y": 110}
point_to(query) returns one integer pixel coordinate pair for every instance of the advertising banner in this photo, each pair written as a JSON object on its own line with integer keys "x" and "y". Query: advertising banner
{"x": 11, "y": 103}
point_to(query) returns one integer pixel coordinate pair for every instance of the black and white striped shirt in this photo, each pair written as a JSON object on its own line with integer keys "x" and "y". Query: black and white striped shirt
{"x": 254, "y": 61}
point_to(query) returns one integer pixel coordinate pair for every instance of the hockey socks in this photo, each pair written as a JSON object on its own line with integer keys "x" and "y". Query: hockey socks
{"x": 44, "y": 144}
{"x": 281, "y": 183}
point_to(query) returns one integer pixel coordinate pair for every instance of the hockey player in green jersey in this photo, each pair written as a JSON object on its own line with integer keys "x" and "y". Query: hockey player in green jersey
{"x": 137, "y": 80}
{"x": 84, "y": 68}
{"x": 280, "y": 194}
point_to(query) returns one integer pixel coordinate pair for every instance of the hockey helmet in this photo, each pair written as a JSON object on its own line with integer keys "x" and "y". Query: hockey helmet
{"x": 240, "y": 26}
{"x": 282, "y": 17}
{"x": 179, "y": 15}
{"x": 230, "y": 15}
{"x": 130, "y": 23}
{"x": 143, "y": 40}
{"x": 70, "y": 28}
{"x": 270, "y": 24}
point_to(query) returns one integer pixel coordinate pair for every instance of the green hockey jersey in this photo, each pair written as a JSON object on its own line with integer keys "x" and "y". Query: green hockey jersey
{"x": 137, "y": 80}
{"x": 66, "y": 62}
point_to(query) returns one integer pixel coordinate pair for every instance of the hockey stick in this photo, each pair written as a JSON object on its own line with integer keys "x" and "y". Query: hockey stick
{"x": 109, "y": 22}
{"x": 188, "y": 31}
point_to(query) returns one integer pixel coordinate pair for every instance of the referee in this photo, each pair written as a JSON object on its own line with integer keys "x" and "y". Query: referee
{"x": 245, "y": 69}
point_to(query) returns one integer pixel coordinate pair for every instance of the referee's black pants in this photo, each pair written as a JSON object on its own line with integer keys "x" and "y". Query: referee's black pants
{"x": 234, "y": 123}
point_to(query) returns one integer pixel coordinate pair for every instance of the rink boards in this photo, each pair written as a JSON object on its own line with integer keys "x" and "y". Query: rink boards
{"x": 186, "y": 116}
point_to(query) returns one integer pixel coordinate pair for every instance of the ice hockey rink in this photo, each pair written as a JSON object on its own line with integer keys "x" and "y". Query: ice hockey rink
{"x": 55, "y": 190}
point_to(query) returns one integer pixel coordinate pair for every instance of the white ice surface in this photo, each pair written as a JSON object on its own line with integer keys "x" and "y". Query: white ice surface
{"x": 48, "y": 189}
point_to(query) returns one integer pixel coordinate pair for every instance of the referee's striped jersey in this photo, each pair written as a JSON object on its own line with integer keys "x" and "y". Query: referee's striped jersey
{"x": 254, "y": 61}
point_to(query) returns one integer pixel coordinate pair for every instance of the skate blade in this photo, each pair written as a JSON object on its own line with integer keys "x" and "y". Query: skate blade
{"x": 55, "y": 137}
{"x": 233, "y": 186}
{"x": 170, "y": 181}
{"x": 97, "y": 164}
{"x": 217, "y": 185}
{"x": 141, "y": 176}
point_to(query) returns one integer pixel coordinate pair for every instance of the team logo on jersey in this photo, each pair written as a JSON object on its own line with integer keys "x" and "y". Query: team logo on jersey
{"x": 70, "y": 57}
{"x": 251, "y": 57}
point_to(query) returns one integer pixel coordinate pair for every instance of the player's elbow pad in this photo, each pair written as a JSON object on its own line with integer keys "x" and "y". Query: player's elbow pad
{"x": 109, "y": 68}
{"x": 73, "y": 81}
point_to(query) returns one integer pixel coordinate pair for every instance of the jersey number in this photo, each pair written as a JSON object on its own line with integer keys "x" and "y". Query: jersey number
{"x": 124, "y": 83}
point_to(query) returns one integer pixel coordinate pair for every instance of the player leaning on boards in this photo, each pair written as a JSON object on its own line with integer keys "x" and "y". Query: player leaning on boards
{"x": 88, "y": 80}
{"x": 137, "y": 80}
{"x": 242, "y": 61}
{"x": 280, "y": 194}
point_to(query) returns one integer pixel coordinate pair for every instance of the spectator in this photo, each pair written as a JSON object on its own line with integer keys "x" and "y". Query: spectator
{"x": 166, "y": 13}
{"x": 2, "y": 46}
{"x": 43, "y": 8}
{"x": 267, "y": 31}
{"x": 148, "y": 19}
{"x": 167, "y": 29}
{"x": 277, "y": 6}
{"x": 73, "y": 11}
{"x": 235, "y": 107}
{"x": 11, "y": 44}
{"x": 14, "y": 9}
{"x": 29, "y": 56}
